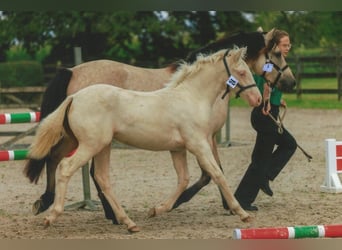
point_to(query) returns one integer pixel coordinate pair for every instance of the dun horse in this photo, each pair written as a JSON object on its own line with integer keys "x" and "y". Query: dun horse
{"x": 68, "y": 81}
{"x": 91, "y": 118}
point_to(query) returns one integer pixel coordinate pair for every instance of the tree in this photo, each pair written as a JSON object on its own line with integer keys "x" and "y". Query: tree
{"x": 153, "y": 37}
{"x": 308, "y": 29}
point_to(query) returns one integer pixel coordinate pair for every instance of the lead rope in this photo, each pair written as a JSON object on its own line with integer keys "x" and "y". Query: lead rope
{"x": 279, "y": 123}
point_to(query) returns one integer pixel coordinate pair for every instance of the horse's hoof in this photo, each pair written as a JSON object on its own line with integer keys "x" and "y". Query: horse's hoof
{"x": 152, "y": 213}
{"x": 115, "y": 222}
{"x": 37, "y": 207}
{"x": 134, "y": 229}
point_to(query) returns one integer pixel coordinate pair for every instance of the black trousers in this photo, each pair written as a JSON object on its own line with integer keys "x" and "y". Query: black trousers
{"x": 271, "y": 152}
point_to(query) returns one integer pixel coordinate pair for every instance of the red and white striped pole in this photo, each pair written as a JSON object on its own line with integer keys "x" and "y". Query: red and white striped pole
{"x": 19, "y": 154}
{"x": 8, "y": 118}
{"x": 13, "y": 155}
{"x": 297, "y": 232}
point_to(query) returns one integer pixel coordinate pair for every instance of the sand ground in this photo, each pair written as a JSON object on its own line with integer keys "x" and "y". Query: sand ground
{"x": 142, "y": 179}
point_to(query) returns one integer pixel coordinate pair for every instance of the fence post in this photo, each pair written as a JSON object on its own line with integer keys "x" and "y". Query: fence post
{"x": 339, "y": 77}
{"x": 87, "y": 203}
{"x": 228, "y": 142}
{"x": 298, "y": 77}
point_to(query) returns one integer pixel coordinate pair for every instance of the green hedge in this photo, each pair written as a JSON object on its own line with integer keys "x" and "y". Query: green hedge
{"x": 21, "y": 73}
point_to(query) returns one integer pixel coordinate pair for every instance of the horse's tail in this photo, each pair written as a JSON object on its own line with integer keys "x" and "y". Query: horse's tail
{"x": 54, "y": 95}
{"x": 55, "y": 92}
{"x": 49, "y": 133}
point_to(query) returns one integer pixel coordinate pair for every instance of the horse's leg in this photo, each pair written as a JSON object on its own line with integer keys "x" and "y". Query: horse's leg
{"x": 101, "y": 175}
{"x": 65, "y": 146}
{"x": 207, "y": 161}
{"x": 203, "y": 181}
{"x": 109, "y": 213}
{"x": 181, "y": 167}
{"x": 46, "y": 199}
{"x": 194, "y": 189}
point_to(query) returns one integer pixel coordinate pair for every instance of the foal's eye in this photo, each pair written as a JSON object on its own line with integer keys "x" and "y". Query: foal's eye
{"x": 242, "y": 73}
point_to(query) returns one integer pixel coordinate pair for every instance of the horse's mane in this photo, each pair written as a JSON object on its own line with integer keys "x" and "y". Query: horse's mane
{"x": 254, "y": 41}
{"x": 186, "y": 69}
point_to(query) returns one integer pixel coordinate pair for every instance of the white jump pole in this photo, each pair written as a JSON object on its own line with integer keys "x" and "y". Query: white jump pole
{"x": 332, "y": 183}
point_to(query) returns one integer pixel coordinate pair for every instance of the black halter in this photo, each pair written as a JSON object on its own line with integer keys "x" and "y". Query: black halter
{"x": 280, "y": 71}
{"x": 232, "y": 82}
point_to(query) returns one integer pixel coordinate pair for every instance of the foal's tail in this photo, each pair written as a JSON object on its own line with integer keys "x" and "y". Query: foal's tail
{"x": 54, "y": 95}
{"x": 49, "y": 133}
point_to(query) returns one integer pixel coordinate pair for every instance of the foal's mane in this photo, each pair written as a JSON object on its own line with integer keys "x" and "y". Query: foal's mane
{"x": 186, "y": 69}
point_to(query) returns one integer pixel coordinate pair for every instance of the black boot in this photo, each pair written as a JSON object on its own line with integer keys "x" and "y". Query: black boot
{"x": 249, "y": 207}
{"x": 265, "y": 187}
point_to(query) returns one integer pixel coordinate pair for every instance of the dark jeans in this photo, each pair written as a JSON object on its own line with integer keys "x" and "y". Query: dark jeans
{"x": 267, "y": 160}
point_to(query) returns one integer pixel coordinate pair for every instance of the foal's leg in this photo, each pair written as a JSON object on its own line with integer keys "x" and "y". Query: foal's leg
{"x": 59, "y": 151}
{"x": 217, "y": 158}
{"x": 101, "y": 175}
{"x": 202, "y": 182}
{"x": 181, "y": 167}
{"x": 207, "y": 161}
{"x": 66, "y": 169}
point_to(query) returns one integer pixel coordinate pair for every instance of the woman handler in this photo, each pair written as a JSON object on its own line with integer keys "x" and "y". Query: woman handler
{"x": 272, "y": 150}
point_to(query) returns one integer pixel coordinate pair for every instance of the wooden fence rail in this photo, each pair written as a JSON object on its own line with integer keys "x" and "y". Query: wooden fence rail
{"x": 15, "y": 99}
{"x": 302, "y": 67}
{"x": 317, "y": 67}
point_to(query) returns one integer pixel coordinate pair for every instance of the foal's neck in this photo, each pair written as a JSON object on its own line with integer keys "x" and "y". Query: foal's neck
{"x": 208, "y": 82}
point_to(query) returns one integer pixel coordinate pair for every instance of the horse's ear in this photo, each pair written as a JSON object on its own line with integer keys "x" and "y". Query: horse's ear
{"x": 269, "y": 39}
{"x": 269, "y": 35}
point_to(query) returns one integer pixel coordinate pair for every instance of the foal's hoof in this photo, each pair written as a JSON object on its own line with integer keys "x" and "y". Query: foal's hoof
{"x": 134, "y": 229}
{"x": 46, "y": 223}
{"x": 152, "y": 213}
{"x": 247, "y": 219}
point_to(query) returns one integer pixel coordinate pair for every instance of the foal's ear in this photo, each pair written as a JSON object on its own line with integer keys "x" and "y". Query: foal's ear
{"x": 237, "y": 53}
{"x": 243, "y": 53}
{"x": 240, "y": 54}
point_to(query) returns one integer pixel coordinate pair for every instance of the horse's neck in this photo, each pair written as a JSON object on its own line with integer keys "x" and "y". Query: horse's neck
{"x": 256, "y": 64}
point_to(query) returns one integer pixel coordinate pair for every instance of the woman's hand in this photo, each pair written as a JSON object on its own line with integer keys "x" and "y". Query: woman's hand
{"x": 283, "y": 103}
{"x": 267, "y": 107}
